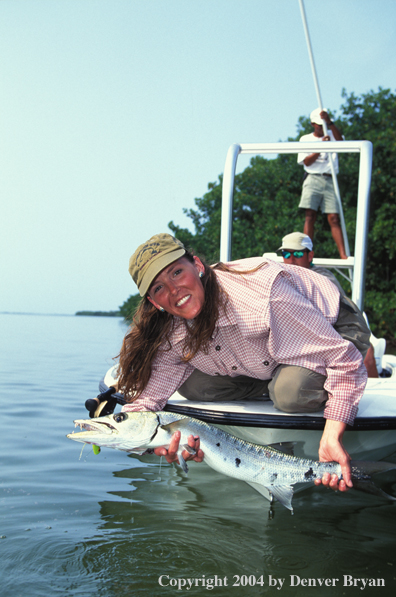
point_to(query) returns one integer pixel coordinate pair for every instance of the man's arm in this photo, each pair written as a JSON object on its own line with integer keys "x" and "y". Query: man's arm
{"x": 331, "y": 126}
{"x": 311, "y": 158}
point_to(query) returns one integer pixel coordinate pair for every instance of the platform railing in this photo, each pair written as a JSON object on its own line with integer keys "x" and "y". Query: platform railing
{"x": 355, "y": 264}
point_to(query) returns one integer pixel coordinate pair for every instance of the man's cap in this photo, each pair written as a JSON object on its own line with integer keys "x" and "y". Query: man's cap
{"x": 151, "y": 257}
{"x": 315, "y": 116}
{"x": 296, "y": 241}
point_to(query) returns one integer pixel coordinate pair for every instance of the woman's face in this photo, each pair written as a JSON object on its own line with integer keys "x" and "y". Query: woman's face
{"x": 178, "y": 288}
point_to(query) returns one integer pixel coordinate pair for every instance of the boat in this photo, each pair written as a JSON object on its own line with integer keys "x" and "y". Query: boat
{"x": 373, "y": 435}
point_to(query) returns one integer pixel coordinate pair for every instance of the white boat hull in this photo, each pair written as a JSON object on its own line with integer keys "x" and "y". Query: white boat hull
{"x": 373, "y": 436}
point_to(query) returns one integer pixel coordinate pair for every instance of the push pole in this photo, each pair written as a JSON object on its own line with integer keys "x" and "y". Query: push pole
{"x": 320, "y": 104}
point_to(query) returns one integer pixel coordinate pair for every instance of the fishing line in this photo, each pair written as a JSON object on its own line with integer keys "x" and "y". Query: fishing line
{"x": 82, "y": 451}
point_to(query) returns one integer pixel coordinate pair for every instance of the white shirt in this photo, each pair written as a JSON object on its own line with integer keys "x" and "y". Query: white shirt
{"x": 322, "y": 164}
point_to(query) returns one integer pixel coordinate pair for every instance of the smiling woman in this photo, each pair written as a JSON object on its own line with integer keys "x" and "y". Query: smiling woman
{"x": 227, "y": 332}
{"x": 178, "y": 288}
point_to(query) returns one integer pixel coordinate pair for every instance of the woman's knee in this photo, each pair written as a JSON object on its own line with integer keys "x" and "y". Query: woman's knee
{"x": 297, "y": 389}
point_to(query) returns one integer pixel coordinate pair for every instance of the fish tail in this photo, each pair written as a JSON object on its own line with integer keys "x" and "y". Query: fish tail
{"x": 363, "y": 469}
{"x": 370, "y": 487}
{"x": 361, "y": 476}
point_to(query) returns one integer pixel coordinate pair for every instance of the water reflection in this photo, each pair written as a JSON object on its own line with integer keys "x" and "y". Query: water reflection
{"x": 207, "y": 525}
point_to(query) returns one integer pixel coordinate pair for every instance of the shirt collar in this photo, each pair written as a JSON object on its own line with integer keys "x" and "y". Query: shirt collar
{"x": 226, "y": 318}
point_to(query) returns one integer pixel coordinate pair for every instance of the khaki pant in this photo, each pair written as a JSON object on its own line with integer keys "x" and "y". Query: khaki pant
{"x": 292, "y": 388}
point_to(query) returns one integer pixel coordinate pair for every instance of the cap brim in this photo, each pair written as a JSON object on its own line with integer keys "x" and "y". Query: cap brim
{"x": 156, "y": 267}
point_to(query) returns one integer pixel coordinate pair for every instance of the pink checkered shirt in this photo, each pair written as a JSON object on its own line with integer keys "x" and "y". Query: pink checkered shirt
{"x": 279, "y": 314}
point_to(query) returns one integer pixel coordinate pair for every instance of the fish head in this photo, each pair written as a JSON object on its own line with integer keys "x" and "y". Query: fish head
{"x": 127, "y": 431}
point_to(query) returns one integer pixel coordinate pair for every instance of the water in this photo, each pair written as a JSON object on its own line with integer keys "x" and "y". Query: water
{"x": 114, "y": 525}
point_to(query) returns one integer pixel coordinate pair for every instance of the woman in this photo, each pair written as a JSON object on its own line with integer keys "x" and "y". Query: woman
{"x": 252, "y": 319}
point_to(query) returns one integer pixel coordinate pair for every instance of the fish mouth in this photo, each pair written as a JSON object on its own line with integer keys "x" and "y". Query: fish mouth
{"x": 101, "y": 427}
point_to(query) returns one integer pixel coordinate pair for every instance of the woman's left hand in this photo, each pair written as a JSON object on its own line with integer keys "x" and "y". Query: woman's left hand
{"x": 170, "y": 454}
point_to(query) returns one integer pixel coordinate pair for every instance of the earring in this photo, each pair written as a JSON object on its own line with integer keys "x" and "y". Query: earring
{"x": 201, "y": 274}
{"x": 161, "y": 309}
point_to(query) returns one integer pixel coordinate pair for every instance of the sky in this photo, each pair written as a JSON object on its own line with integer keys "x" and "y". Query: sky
{"x": 116, "y": 114}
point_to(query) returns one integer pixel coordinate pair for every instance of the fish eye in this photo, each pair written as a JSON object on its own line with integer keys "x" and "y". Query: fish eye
{"x": 120, "y": 417}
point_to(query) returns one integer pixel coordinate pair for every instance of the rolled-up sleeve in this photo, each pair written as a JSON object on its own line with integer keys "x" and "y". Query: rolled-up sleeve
{"x": 168, "y": 373}
{"x": 301, "y": 335}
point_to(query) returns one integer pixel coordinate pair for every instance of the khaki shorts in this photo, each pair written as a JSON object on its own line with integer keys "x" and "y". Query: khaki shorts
{"x": 318, "y": 192}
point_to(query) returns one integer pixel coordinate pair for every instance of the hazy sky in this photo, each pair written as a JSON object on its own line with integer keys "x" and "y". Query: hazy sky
{"x": 116, "y": 114}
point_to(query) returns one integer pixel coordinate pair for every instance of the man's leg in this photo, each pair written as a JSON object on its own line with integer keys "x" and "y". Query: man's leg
{"x": 370, "y": 363}
{"x": 309, "y": 224}
{"x": 336, "y": 231}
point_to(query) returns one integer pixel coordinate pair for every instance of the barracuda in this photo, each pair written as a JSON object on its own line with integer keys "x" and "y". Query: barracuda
{"x": 260, "y": 466}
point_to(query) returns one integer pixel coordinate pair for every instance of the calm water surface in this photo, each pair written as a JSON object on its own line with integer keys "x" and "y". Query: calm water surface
{"x": 77, "y": 524}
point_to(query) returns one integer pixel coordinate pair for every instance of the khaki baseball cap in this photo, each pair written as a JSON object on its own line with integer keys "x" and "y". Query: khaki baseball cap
{"x": 296, "y": 241}
{"x": 151, "y": 257}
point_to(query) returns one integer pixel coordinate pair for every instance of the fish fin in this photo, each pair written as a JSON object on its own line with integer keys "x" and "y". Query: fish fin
{"x": 189, "y": 449}
{"x": 138, "y": 451}
{"x": 182, "y": 462}
{"x": 178, "y": 426}
{"x": 175, "y": 425}
{"x": 283, "y": 493}
{"x": 370, "y": 487}
{"x": 285, "y": 447}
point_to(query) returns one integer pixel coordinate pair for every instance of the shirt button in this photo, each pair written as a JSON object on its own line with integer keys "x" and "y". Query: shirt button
{"x": 218, "y": 348}
{"x": 234, "y": 368}
{"x": 266, "y": 363}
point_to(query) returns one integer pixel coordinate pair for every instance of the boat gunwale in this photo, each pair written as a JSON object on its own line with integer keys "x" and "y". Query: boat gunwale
{"x": 306, "y": 422}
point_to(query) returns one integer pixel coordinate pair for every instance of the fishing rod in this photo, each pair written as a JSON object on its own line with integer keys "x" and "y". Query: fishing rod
{"x": 104, "y": 404}
{"x": 320, "y": 104}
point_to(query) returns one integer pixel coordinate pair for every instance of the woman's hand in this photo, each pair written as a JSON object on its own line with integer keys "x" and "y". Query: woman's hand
{"x": 331, "y": 449}
{"x": 170, "y": 454}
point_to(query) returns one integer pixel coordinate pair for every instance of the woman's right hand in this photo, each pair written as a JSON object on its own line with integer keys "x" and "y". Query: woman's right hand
{"x": 170, "y": 454}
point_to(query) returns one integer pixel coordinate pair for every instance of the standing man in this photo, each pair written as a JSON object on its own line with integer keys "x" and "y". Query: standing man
{"x": 318, "y": 189}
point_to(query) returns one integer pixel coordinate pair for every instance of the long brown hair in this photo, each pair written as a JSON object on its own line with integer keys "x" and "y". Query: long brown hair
{"x": 152, "y": 329}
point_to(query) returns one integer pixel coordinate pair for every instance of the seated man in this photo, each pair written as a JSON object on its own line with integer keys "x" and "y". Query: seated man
{"x": 297, "y": 249}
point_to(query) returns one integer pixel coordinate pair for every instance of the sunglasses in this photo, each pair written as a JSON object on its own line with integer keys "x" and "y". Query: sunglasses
{"x": 296, "y": 254}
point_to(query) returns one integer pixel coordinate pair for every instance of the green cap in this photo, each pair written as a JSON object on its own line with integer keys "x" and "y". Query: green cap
{"x": 151, "y": 257}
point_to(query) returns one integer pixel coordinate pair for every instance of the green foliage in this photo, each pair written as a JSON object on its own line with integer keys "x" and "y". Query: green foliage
{"x": 267, "y": 193}
{"x": 381, "y": 311}
{"x": 371, "y": 117}
{"x": 128, "y": 308}
{"x": 206, "y": 219}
